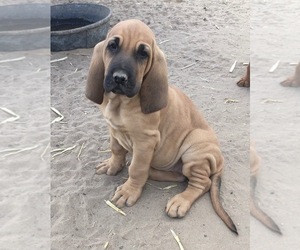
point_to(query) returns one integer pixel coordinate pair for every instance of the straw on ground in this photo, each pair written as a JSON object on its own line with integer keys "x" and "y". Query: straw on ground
{"x": 10, "y": 119}
{"x": 228, "y": 100}
{"x": 13, "y": 60}
{"x": 177, "y": 240}
{"x": 17, "y": 151}
{"x": 59, "y": 60}
{"x": 274, "y": 67}
{"x": 63, "y": 150}
{"x": 44, "y": 152}
{"x": 80, "y": 151}
{"x": 114, "y": 207}
{"x": 60, "y": 116}
{"x": 105, "y": 245}
{"x": 233, "y": 66}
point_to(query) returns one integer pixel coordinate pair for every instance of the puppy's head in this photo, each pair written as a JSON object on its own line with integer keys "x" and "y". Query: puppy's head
{"x": 129, "y": 63}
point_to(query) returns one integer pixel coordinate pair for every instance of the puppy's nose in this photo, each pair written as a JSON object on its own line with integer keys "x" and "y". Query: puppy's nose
{"x": 120, "y": 77}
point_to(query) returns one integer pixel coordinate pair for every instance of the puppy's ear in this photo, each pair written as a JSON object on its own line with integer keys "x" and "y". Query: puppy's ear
{"x": 154, "y": 90}
{"x": 94, "y": 86}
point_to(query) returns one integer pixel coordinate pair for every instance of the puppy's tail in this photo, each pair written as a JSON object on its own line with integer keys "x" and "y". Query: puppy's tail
{"x": 257, "y": 213}
{"x": 215, "y": 199}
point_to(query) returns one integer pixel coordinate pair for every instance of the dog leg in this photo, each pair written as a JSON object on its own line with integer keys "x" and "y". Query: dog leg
{"x": 128, "y": 193}
{"x": 245, "y": 81}
{"x": 200, "y": 161}
{"x": 198, "y": 184}
{"x": 116, "y": 162}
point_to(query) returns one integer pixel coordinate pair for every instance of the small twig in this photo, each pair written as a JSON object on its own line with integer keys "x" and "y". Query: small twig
{"x": 13, "y": 60}
{"x": 57, "y": 119}
{"x": 245, "y": 63}
{"x": 228, "y": 100}
{"x": 45, "y": 150}
{"x": 272, "y": 69}
{"x": 114, "y": 207}
{"x": 190, "y": 65}
{"x": 271, "y": 101}
{"x": 10, "y": 119}
{"x": 20, "y": 151}
{"x": 164, "y": 41}
{"x": 105, "y": 245}
{"x": 177, "y": 240}
{"x": 64, "y": 150}
{"x": 233, "y": 66}
{"x": 105, "y": 151}
{"x": 205, "y": 87}
{"x": 79, "y": 153}
{"x": 293, "y": 64}
{"x": 59, "y": 60}
{"x": 161, "y": 188}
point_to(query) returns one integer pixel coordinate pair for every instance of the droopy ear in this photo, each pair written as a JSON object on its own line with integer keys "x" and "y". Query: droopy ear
{"x": 94, "y": 86}
{"x": 154, "y": 90}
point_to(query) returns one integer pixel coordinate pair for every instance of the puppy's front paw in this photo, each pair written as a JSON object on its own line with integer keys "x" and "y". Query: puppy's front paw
{"x": 178, "y": 206}
{"x": 287, "y": 83}
{"x": 109, "y": 167}
{"x": 243, "y": 82}
{"x": 126, "y": 195}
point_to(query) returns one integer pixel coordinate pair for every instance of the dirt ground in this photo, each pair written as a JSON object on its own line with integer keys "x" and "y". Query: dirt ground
{"x": 58, "y": 202}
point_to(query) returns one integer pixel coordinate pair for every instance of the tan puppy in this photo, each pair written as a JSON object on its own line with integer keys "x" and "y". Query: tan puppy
{"x": 254, "y": 208}
{"x": 293, "y": 81}
{"x": 156, "y": 123}
{"x": 245, "y": 80}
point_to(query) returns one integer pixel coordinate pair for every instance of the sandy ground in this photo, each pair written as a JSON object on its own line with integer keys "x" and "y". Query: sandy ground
{"x": 275, "y": 125}
{"x": 66, "y": 201}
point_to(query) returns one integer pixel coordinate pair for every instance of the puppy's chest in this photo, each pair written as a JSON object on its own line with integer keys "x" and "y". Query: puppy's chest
{"x": 120, "y": 125}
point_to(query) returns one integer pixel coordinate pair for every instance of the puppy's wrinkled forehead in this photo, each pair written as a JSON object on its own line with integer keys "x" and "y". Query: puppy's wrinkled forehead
{"x": 132, "y": 32}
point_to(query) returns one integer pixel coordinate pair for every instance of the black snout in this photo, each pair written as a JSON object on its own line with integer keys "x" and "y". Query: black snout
{"x": 120, "y": 77}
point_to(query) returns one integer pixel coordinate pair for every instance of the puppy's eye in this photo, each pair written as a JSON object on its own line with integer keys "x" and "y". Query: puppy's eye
{"x": 143, "y": 51}
{"x": 113, "y": 45}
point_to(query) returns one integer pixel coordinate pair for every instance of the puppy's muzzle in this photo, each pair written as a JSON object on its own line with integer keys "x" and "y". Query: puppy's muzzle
{"x": 120, "y": 77}
{"x": 120, "y": 82}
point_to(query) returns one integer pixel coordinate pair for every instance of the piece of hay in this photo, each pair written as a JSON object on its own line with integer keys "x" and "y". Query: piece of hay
{"x": 105, "y": 245}
{"x": 17, "y": 151}
{"x": 80, "y": 150}
{"x": 177, "y": 240}
{"x": 13, "y": 60}
{"x": 190, "y": 65}
{"x": 164, "y": 41}
{"x": 44, "y": 152}
{"x": 161, "y": 188}
{"x": 64, "y": 150}
{"x": 59, "y": 60}
{"x": 228, "y": 100}
{"x": 271, "y": 101}
{"x": 272, "y": 69}
{"x": 233, "y": 66}
{"x": 114, "y": 207}
{"x": 10, "y": 119}
{"x": 105, "y": 151}
{"x": 57, "y": 119}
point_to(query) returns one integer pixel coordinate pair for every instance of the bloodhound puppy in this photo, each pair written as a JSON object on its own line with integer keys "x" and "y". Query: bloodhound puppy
{"x": 255, "y": 210}
{"x": 169, "y": 140}
{"x": 293, "y": 81}
{"x": 245, "y": 80}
